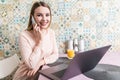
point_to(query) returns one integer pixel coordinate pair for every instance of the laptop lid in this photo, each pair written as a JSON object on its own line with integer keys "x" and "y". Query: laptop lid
{"x": 84, "y": 61}
{"x": 81, "y": 63}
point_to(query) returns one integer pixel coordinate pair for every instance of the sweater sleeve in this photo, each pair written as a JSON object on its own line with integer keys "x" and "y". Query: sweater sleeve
{"x": 54, "y": 55}
{"x": 30, "y": 55}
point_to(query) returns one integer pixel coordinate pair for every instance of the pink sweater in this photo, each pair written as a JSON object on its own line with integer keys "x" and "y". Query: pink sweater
{"x": 47, "y": 51}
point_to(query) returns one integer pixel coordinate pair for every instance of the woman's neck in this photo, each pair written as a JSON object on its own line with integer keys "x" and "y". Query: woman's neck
{"x": 44, "y": 31}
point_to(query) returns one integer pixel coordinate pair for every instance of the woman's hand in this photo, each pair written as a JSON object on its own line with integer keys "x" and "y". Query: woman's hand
{"x": 39, "y": 33}
{"x": 36, "y": 31}
{"x": 32, "y": 72}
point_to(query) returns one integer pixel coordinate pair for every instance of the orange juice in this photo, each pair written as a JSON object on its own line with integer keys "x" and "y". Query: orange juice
{"x": 70, "y": 53}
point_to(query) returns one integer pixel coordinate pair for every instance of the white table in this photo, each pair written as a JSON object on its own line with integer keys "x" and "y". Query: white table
{"x": 111, "y": 58}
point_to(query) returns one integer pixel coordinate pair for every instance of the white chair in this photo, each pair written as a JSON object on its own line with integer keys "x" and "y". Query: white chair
{"x": 8, "y": 65}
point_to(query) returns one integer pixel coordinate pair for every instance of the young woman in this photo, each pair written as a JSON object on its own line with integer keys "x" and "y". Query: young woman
{"x": 37, "y": 43}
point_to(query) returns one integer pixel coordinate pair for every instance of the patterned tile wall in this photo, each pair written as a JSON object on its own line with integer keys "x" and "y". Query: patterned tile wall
{"x": 96, "y": 20}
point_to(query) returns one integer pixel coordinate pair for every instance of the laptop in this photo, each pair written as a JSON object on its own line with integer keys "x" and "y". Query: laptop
{"x": 81, "y": 63}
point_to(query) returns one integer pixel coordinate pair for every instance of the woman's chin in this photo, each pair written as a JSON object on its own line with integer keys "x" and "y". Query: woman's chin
{"x": 44, "y": 27}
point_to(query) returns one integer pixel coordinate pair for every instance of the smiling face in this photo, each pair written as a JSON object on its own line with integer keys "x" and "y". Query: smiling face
{"x": 41, "y": 14}
{"x": 42, "y": 17}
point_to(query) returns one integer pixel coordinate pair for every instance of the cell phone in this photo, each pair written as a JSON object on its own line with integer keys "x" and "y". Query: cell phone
{"x": 33, "y": 21}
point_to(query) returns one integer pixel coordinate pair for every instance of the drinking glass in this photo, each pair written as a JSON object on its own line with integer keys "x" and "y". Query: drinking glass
{"x": 70, "y": 53}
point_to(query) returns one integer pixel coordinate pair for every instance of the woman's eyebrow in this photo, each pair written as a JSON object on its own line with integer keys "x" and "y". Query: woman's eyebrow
{"x": 44, "y": 13}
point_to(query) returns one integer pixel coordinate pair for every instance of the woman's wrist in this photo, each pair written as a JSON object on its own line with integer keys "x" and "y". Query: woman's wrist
{"x": 42, "y": 62}
{"x": 39, "y": 43}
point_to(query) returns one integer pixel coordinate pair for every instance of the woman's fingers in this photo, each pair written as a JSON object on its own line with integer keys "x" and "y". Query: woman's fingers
{"x": 36, "y": 30}
{"x": 35, "y": 27}
{"x": 34, "y": 72}
{"x": 31, "y": 73}
{"x": 25, "y": 72}
{"x": 37, "y": 33}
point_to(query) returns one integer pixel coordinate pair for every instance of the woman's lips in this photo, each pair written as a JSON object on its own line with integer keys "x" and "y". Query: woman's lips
{"x": 43, "y": 24}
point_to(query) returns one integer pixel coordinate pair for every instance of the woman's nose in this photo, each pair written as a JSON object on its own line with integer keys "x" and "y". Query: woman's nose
{"x": 44, "y": 18}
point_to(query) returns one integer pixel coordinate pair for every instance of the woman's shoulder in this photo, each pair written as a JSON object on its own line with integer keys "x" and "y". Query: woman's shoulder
{"x": 25, "y": 33}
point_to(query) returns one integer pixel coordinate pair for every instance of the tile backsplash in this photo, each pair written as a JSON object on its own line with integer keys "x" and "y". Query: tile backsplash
{"x": 97, "y": 21}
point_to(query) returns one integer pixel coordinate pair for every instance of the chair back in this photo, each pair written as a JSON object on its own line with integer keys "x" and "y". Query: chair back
{"x": 8, "y": 65}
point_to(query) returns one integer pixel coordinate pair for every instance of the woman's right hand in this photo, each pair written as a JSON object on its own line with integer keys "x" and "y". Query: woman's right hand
{"x": 37, "y": 33}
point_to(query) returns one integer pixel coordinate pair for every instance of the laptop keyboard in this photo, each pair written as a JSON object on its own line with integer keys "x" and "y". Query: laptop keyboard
{"x": 59, "y": 74}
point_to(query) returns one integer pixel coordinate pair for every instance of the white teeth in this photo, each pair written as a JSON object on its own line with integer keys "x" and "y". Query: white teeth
{"x": 43, "y": 23}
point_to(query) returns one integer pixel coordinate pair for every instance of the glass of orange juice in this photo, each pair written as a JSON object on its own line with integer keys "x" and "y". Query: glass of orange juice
{"x": 70, "y": 53}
